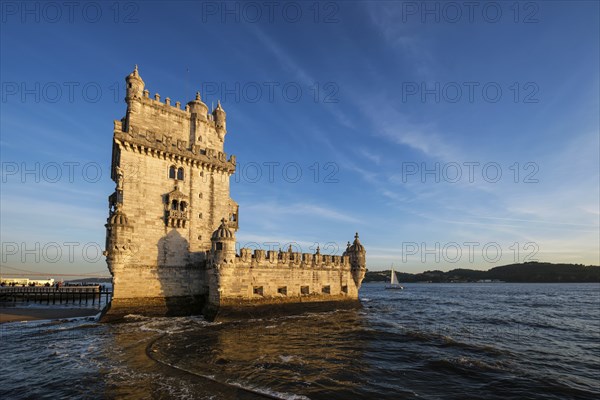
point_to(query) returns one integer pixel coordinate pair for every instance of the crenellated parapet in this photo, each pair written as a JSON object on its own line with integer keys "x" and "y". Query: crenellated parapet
{"x": 353, "y": 259}
{"x": 164, "y": 146}
{"x": 289, "y": 259}
{"x": 136, "y": 92}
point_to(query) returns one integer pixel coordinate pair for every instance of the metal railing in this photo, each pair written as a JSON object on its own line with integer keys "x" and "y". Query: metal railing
{"x": 96, "y": 295}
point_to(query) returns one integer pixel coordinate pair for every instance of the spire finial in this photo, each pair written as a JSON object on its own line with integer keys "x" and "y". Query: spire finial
{"x": 290, "y": 249}
{"x": 135, "y": 69}
{"x": 318, "y": 250}
{"x": 356, "y": 236}
{"x": 197, "y": 95}
{"x": 223, "y": 221}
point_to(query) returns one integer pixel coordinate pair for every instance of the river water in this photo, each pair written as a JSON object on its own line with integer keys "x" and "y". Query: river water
{"x": 431, "y": 341}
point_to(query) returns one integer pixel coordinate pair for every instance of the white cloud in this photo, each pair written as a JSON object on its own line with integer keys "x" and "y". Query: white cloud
{"x": 306, "y": 210}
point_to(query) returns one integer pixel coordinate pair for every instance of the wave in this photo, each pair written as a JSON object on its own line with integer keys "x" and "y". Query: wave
{"x": 464, "y": 364}
{"x": 442, "y": 338}
{"x": 245, "y": 386}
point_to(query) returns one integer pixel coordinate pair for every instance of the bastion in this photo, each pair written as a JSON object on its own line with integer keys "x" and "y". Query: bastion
{"x": 170, "y": 233}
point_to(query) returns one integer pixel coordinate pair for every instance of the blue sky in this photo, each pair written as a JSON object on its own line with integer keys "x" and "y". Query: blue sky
{"x": 447, "y": 137}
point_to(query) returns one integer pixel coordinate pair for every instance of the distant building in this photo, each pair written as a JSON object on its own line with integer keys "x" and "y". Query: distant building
{"x": 27, "y": 281}
{"x": 170, "y": 235}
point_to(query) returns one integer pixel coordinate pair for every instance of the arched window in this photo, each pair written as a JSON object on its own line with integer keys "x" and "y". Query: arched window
{"x": 174, "y": 205}
{"x": 172, "y": 172}
{"x": 182, "y": 206}
{"x": 180, "y": 174}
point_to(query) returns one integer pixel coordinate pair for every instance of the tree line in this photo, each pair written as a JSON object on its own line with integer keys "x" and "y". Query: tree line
{"x": 526, "y": 272}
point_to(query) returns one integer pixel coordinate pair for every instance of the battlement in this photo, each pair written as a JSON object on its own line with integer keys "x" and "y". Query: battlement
{"x": 194, "y": 124}
{"x": 289, "y": 259}
{"x": 169, "y": 106}
{"x": 155, "y": 102}
{"x": 162, "y": 145}
{"x": 175, "y": 108}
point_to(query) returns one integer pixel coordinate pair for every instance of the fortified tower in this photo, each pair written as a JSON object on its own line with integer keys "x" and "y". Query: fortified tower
{"x": 170, "y": 233}
{"x": 172, "y": 190}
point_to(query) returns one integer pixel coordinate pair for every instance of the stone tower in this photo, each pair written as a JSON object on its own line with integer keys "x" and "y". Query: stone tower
{"x": 172, "y": 192}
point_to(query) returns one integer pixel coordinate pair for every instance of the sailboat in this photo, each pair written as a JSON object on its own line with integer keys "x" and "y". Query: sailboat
{"x": 394, "y": 284}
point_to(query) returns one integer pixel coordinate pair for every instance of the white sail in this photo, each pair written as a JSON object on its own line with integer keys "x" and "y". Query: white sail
{"x": 394, "y": 284}
{"x": 394, "y": 279}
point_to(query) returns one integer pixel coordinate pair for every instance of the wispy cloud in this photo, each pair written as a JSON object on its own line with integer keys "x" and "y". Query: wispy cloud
{"x": 394, "y": 126}
{"x": 286, "y": 61}
{"x": 386, "y": 17}
{"x": 306, "y": 210}
{"x": 371, "y": 156}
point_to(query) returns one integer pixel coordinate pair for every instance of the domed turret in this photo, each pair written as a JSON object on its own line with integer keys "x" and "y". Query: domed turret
{"x": 356, "y": 246}
{"x": 220, "y": 119}
{"x": 134, "y": 85}
{"x": 118, "y": 219}
{"x": 198, "y": 107}
{"x": 222, "y": 232}
{"x": 358, "y": 263}
{"x": 223, "y": 245}
{"x": 118, "y": 237}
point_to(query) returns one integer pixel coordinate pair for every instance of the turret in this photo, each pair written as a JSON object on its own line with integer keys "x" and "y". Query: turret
{"x": 134, "y": 85}
{"x": 220, "y": 118}
{"x": 358, "y": 263}
{"x": 118, "y": 237}
{"x": 198, "y": 108}
{"x": 223, "y": 245}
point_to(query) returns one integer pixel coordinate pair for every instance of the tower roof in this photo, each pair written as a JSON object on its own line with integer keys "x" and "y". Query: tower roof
{"x": 135, "y": 74}
{"x": 197, "y": 103}
{"x": 219, "y": 107}
{"x": 118, "y": 218}
{"x": 222, "y": 232}
{"x": 356, "y": 246}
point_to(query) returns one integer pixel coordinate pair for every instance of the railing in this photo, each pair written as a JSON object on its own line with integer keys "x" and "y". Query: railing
{"x": 176, "y": 214}
{"x": 52, "y": 295}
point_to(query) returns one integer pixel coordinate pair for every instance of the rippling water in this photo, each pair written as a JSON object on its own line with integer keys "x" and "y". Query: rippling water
{"x": 455, "y": 341}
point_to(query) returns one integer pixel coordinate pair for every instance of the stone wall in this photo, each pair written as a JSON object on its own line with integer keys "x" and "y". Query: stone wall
{"x": 146, "y": 187}
{"x": 239, "y": 283}
{"x": 277, "y": 279}
{"x": 152, "y": 281}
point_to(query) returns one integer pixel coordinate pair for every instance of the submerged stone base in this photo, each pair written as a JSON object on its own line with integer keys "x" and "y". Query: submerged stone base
{"x": 227, "y": 310}
{"x": 153, "y": 307}
{"x": 260, "y": 308}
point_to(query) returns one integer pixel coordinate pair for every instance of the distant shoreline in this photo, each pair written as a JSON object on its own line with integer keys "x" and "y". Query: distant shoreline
{"x": 531, "y": 272}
